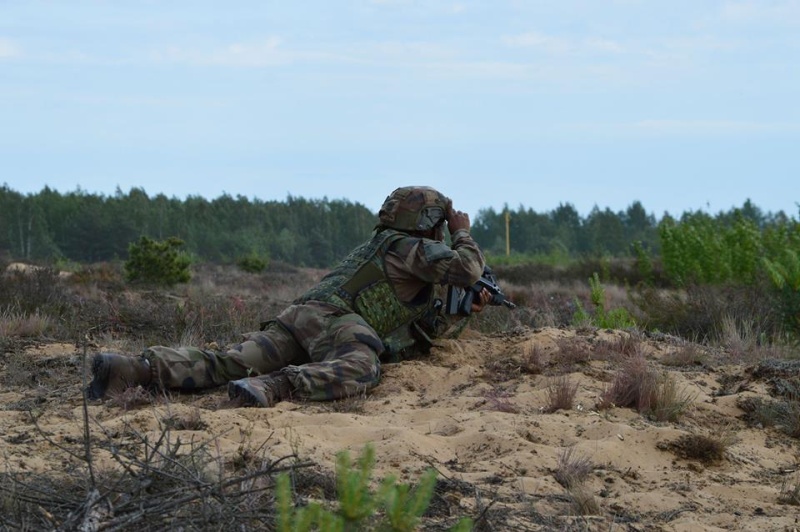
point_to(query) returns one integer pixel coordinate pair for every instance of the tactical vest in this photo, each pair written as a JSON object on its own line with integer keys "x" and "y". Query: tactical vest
{"x": 359, "y": 284}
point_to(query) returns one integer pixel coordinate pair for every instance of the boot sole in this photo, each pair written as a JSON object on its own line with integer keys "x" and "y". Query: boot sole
{"x": 100, "y": 377}
{"x": 246, "y": 394}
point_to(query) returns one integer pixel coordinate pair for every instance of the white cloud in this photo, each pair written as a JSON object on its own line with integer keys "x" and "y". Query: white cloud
{"x": 8, "y": 49}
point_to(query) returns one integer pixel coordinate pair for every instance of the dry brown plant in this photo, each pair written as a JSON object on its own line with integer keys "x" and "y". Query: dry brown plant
{"x": 707, "y": 448}
{"x": 572, "y": 468}
{"x": 689, "y": 354}
{"x": 670, "y": 401}
{"x": 534, "y": 360}
{"x": 192, "y": 420}
{"x": 499, "y": 400}
{"x": 739, "y": 338}
{"x": 634, "y": 386}
{"x": 790, "y": 491}
{"x": 572, "y": 351}
{"x": 583, "y": 501}
{"x": 639, "y": 386}
{"x": 561, "y": 393}
{"x": 621, "y": 347}
{"x": 131, "y": 398}
{"x": 25, "y": 325}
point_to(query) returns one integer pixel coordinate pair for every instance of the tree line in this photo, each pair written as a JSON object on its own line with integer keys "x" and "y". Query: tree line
{"x": 564, "y": 233}
{"x": 85, "y": 227}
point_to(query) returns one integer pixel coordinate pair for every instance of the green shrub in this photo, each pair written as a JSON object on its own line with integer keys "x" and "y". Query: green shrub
{"x": 785, "y": 276}
{"x": 618, "y": 318}
{"x": 394, "y": 507}
{"x": 157, "y": 262}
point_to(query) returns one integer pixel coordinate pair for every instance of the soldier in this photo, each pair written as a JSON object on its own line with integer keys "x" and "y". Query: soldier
{"x": 378, "y": 303}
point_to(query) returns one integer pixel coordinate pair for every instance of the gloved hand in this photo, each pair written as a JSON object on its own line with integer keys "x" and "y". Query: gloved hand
{"x": 457, "y": 220}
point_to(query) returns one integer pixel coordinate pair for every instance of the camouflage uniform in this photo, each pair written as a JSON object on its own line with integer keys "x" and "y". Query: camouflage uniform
{"x": 379, "y": 303}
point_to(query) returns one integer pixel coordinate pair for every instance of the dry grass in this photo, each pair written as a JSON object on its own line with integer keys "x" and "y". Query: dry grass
{"x": 622, "y": 347}
{"x": 561, "y": 393}
{"x": 499, "y": 400}
{"x": 356, "y": 404}
{"x": 686, "y": 356}
{"x": 739, "y": 337}
{"x": 534, "y": 360}
{"x": 790, "y": 491}
{"x": 131, "y": 398}
{"x": 20, "y": 324}
{"x": 634, "y": 386}
{"x": 572, "y": 468}
{"x": 706, "y": 448}
{"x": 572, "y": 352}
{"x": 783, "y": 414}
{"x": 637, "y": 385}
{"x": 154, "y": 482}
{"x": 192, "y": 420}
{"x": 670, "y": 401}
{"x": 501, "y": 368}
{"x": 583, "y": 501}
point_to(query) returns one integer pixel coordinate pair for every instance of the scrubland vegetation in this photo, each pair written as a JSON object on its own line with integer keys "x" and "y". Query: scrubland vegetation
{"x": 725, "y": 289}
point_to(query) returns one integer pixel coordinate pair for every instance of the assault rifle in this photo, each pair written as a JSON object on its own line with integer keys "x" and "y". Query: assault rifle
{"x": 459, "y": 300}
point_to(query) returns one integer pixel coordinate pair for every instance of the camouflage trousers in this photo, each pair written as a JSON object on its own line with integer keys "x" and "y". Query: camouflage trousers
{"x": 326, "y": 353}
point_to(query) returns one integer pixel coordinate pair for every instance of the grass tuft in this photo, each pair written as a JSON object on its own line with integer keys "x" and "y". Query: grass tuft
{"x": 561, "y": 393}
{"x": 572, "y": 468}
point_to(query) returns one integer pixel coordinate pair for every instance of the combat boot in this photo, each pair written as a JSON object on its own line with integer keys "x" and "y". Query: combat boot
{"x": 265, "y": 390}
{"x": 113, "y": 374}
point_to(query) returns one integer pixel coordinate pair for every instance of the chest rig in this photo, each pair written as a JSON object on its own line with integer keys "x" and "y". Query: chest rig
{"x": 359, "y": 284}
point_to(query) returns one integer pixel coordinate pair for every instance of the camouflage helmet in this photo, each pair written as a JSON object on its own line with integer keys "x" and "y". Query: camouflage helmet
{"x": 414, "y": 209}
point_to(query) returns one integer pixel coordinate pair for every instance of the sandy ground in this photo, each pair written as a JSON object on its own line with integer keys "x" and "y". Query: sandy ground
{"x": 486, "y": 433}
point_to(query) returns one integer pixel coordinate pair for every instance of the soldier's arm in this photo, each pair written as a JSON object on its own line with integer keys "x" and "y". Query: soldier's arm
{"x": 432, "y": 261}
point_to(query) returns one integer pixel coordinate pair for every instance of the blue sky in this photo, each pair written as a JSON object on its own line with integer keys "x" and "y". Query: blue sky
{"x": 681, "y": 105}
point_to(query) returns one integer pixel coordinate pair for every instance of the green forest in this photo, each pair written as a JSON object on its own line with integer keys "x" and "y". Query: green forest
{"x": 84, "y": 227}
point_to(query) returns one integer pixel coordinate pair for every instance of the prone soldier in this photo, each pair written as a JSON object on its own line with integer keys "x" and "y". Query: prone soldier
{"x": 378, "y": 304}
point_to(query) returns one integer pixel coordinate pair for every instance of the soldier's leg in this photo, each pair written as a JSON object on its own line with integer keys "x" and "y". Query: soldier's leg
{"x": 344, "y": 354}
{"x": 191, "y": 368}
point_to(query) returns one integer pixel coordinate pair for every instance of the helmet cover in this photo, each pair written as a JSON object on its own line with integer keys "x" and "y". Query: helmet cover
{"x": 414, "y": 208}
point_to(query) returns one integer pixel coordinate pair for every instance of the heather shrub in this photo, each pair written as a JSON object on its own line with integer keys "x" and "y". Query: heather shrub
{"x": 38, "y": 290}
{"x": 698, "y": 311}
{"x": 104, "y": 276}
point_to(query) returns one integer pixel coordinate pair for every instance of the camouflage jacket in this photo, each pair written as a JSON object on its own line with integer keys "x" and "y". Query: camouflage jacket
{"x": 390, "y": 281}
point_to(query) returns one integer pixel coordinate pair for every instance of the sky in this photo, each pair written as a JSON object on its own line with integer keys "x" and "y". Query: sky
{"x": 682, "y": 105}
